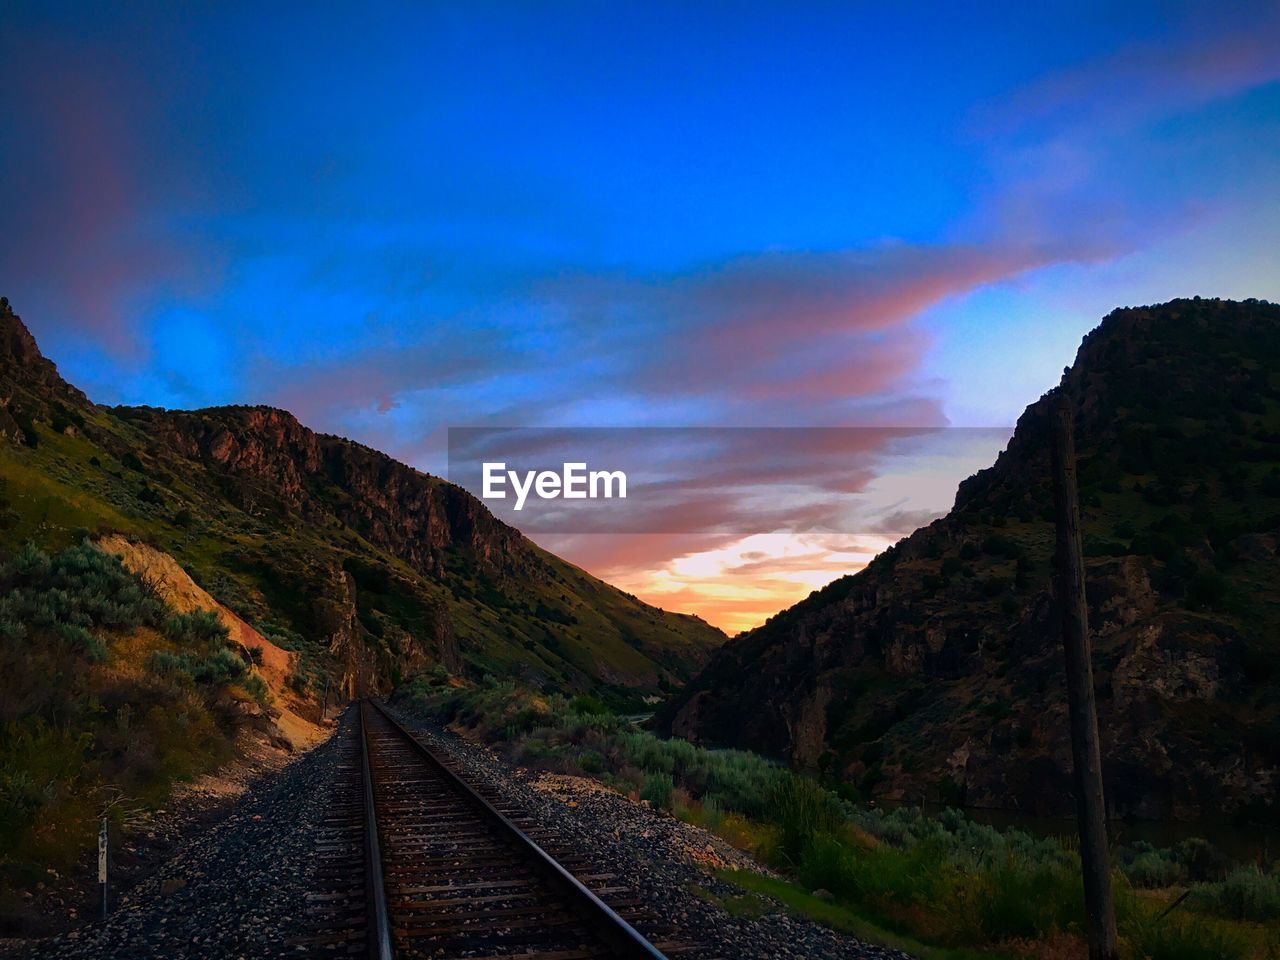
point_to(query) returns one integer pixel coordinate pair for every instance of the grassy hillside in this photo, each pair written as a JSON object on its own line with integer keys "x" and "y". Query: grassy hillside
{"x": 107, "y": 697}
{"x": 369, "y": 569}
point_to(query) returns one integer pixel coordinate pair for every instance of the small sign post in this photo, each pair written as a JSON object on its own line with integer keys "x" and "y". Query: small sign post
{"x": 102, "y": 865}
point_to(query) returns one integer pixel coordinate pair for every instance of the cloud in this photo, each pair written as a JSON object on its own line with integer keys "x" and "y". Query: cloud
{"x": 82, "y": 243}
{"x": 1142, "y": 80}
{"x": 378, "y": 378}
{"x": 725, "y": 480}
{"x": 773, "y": 337}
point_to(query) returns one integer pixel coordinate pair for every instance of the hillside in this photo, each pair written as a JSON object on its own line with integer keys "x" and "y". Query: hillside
{"x": 368, "y": 569}
{"x": 936, "y": 673}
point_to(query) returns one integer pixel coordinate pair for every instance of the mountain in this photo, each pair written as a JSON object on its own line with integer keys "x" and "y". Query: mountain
{"x": 936, "y": 673}
{"x": 365, "y": 567}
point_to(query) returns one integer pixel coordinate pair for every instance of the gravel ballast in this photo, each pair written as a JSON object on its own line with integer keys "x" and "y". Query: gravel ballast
{"x": 660, "y": 857}
{"x": 240, "y": 888}
{"x": 237, "y": 889}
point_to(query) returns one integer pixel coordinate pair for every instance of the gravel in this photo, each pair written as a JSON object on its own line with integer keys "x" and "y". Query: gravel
{"x": 660, "y": 857}
{"x": 239, "y": 888}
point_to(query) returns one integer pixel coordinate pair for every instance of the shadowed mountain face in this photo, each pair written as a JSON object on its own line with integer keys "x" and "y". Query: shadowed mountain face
{"x": 370, "y": 568}
{"x": 936, "y": 673}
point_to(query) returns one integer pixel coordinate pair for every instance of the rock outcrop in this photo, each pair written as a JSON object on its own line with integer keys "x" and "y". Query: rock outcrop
{"x": 936, "y": 673}
{"x": 270, "y": 462}
{"x": 378, "y": 570}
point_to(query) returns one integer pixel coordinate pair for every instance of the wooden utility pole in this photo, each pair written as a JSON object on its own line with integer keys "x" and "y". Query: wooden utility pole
{"x": 1091, "y": 811}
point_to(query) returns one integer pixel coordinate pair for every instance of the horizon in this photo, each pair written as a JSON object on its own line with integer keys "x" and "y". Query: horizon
{"x": 816, "y": 217}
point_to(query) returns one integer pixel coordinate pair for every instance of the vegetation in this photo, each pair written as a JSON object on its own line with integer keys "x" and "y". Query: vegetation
{"x": 945, "y": 882}
{"x": 106, "y": 698}
{"x": 1178, "y": 434}
{"x": 82, "y": 470}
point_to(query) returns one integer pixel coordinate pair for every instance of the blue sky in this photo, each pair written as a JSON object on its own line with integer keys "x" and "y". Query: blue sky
{"x": 395, "y": 219}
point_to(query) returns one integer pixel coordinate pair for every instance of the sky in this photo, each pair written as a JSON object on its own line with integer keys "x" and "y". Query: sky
{"x": 397, "y": 219}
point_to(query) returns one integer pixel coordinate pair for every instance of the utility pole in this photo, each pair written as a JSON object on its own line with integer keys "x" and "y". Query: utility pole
{"x": 1091, "y": 811}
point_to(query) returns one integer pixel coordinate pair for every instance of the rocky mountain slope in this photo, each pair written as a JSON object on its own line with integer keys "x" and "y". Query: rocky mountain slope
{"x": 365, "y": 567}
{"x": 936, "y": 673}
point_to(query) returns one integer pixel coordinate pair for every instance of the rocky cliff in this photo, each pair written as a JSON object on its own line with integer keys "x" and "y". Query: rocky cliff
{"x": 370, "y": 569}
{"x": 936, "y": 673}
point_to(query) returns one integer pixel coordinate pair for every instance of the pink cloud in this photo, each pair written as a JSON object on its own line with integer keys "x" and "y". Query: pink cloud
{"x": 1154, "y": 78}
{"x": 84, "y": 241}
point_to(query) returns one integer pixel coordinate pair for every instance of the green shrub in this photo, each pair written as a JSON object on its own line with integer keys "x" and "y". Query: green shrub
{"x": 92, "y": 646}
{"x": 712, "y": 814}
{"x": 803, "y": 810}
{"x": 1245, "y": 894}
{"x": 1154, "y": 868}
{"x": 70, "y": 595}
{"x": 220, "y": 666}
{"x": 1180, "y": 936}
{"x": 198, "y": 627}
{"x": 87, "y": 733}
{"x": 1017, "y": 897}
{"x": 974, "y": 884}
{"x": 657, "y": 789}
{"x": 588, "y": 705}
{"x": 591, "y": 762}
{"x": 37, "y": 762}
{"x": 170, "y": 664}
{"x": 828, "y": 864}
{"x": 257, "y": 688}
{"x": 534, "y": 751}
{"x": 1202, "y": 859}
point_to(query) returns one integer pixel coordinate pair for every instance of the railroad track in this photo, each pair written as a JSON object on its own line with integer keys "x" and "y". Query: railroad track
{"x": 417, "y": 862}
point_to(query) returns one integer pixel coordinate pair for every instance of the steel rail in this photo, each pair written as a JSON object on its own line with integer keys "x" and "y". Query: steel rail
{"x": 378, "y": 928}
{"x": 618, "y": 935}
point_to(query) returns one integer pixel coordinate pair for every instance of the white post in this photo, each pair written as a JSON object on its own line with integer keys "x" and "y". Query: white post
{"x": 102, "y": 865}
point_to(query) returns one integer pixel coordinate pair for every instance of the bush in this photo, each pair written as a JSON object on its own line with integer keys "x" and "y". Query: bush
{"x": 1181, "y": 937}
{"x": 170, "y": 664}
{"x": 1154, "y": 868}
{"x": 86, "y": 732}
{"x": 1202, "y": 859}
{"x": 828, "y": 865}
{"x": 803, "y": 810}
{"x": 93, "y": 647}
{"x": 1018, "y": 897}
{"x": 591, "y": 762}
{"x": 221, "y": 666}
{"x": 1245, "y": 894}
{"x": 257, "y": 688}
{"x": 70, "y": 595}
{"x": 657, "y": 789}
{"x": 946, "y": 878}
{"x": 587, "y": 705}
{"x": 200, "y": 627}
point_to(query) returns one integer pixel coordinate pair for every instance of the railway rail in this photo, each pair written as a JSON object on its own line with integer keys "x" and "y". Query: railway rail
{"x": 418, "y": 862}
